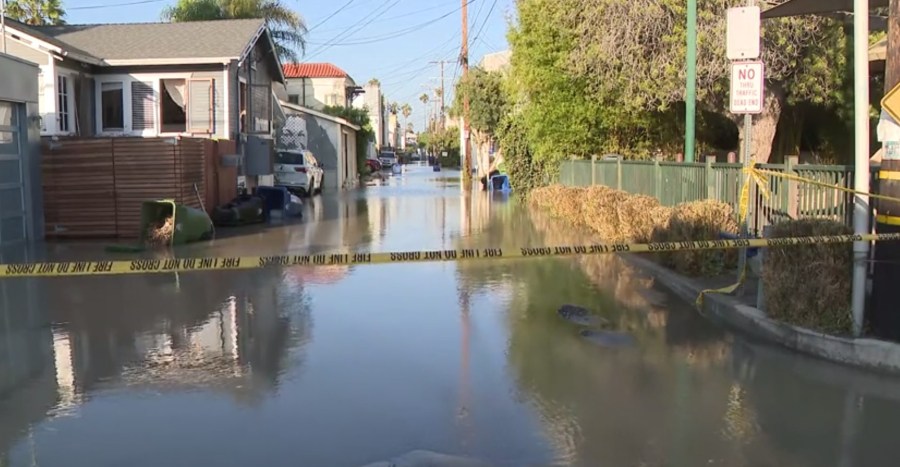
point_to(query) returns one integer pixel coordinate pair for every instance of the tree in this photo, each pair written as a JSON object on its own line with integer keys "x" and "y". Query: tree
{"x": 558, "y": 119}
{"x": 634, "y": 51}
{"x": 394, "y": 108}
{"x": 424, "y": 98}
{"x": 375, "y": 82}
{"x": 487, "y": 101}
{"x": 406, "y": 110}
{"x": 487, "y": 108}
{"x": 286, "y": 26}
{"x": 37, "y": 12}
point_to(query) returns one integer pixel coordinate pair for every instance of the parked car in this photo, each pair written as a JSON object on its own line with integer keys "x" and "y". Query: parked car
{"x": 299, "y": 171}
{"x": 387, "y": 158}
{"x": 373, "y": 164}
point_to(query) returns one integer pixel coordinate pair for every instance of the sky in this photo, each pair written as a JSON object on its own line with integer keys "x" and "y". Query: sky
{"x": 392, "y": 40}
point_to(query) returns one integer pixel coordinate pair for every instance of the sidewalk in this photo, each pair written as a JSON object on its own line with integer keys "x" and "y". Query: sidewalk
{"x": 739, "y": 312}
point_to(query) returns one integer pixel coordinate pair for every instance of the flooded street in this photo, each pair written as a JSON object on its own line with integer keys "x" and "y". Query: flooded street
{"x": 347, "y": 366}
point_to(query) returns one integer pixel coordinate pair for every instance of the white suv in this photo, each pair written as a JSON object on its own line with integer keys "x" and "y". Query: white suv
{"x": 299, "y": 171}
{"x": 387, "y": 158}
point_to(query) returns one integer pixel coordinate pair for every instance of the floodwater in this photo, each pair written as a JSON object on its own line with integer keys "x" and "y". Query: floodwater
{"x": 348, "y": 366}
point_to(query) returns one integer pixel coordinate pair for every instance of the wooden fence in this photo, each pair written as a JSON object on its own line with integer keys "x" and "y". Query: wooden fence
{"x": 678, "y": 182}
{"x": 94, "y": 187}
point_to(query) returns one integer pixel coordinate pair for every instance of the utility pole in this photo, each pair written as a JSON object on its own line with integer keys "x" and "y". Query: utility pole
{"x": 690, "y": 99}
{"x": 464, "y": 61}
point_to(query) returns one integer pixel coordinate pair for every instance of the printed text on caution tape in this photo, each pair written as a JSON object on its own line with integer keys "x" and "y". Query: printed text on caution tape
{"x": 143, "y": 266}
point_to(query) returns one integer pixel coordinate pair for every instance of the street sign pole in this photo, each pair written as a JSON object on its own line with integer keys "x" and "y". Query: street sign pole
{"x": 747, "y": 94}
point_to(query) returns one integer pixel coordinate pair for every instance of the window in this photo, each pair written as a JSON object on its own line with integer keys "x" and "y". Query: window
{"x": 200, "y": 107}
{"x": 142, "y": 100}
{"x": 260, "y": 108}
{"x": 289, "y": 158}
{"x": 172, "y": 106}
{"x": 62, "y": 106}
{"x": 294, "y": 99}
{"x": 112, "y": 107}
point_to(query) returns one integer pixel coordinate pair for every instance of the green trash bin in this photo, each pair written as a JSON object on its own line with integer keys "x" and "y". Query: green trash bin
{"x": 187, "y": 224}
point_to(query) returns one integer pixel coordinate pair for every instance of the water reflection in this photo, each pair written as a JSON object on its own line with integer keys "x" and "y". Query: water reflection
{"x": 689, "y": 395}
{"x": 465, "y": 358}
{"x": 64, "y": 341}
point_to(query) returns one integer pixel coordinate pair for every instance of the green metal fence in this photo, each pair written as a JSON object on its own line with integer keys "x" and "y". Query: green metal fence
{"x": 675, "y": 182}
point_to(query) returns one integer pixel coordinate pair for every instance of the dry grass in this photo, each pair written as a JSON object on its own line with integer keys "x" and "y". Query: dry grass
{"x": 699, "y": 220}
{"x": 810, "y": 285}
{"x": 559, "y": 201}
{"x": 617, "y": 216}
{"x": 599, "y": 210}
{"x": 161, "y": 232}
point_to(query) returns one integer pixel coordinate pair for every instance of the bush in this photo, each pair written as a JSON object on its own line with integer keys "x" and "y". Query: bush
{"x": 822, "y": 304}
{"x": 699, "y": 220}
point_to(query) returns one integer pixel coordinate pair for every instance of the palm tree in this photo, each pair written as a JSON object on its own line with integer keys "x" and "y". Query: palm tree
{"x": 406, "y": 110}
{"x": 286, "y": 26}
{"x": 36, "y": 12}
{"x": 424, "y": 98}
{"x": 395, "y": 108}
{"x": 374, "y": 82}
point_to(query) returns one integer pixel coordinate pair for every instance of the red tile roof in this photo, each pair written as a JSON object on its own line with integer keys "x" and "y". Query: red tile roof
{"x": 313, "y": 70}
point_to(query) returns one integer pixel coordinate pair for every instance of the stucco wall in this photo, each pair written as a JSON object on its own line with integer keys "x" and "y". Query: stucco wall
{"x": 319, "y": 91}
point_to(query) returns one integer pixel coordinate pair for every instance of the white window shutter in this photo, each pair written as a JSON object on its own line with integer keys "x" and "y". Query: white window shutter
{"x": 200, "y": 108}
{"x": 143, "y": 110}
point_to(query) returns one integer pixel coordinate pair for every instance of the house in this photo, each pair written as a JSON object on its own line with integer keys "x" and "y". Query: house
{"x": 393, "y": 130}
{"x": 316, "y": 85}
{"x": 497, "y": 61}
{"x": 21, "y": 210}
{"x": 332, "y": 141}
{"x": 373, "y": 101}
{"x": 207, "y": 78}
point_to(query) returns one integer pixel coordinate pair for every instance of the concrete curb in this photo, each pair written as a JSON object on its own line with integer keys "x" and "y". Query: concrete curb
{"x": 866, "y": 353}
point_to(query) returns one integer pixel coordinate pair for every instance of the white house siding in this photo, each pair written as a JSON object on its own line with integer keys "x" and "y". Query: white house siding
{"x": 128, "y": 79}
{"x": 25, "y": 52}
{"x": 371, "y": 100}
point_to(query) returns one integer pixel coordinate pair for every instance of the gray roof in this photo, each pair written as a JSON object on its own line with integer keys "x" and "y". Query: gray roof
{"x": 158, "y": 41}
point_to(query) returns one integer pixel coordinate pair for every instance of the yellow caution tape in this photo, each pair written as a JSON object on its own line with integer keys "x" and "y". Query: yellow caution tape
{"x": 758, "y": 176}
{"x": 148, "y": 266}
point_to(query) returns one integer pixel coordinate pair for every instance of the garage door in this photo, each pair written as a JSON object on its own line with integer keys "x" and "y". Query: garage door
{"x": 12, "y": 206}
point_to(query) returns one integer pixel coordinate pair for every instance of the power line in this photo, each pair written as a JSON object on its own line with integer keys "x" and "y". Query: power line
{"x": 393, "y": 35}
{"x": 392, "y": 18}
{"x": 113, "y": 5}
{"x": 332, "y": 15}
{"x": 349, "y": 31}
{"x": 405, "y": 64}
{"x": 477, "y": 35}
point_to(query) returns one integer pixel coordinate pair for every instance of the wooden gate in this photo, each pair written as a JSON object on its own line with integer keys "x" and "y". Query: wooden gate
{"x": 94, "y": 187}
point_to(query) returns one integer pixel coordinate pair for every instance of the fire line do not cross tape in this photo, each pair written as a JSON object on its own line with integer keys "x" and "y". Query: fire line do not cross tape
{"x": 154, "y": 265}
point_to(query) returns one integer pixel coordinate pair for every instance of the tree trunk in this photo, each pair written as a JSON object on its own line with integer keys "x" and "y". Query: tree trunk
{"x": 765, "y": 126}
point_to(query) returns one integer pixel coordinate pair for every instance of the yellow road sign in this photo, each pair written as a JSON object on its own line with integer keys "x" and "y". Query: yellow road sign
{"x": 891, "y": 103}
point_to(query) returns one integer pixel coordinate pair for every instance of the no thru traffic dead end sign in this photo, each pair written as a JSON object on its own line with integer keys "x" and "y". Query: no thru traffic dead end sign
{"x": 747, "y": 88}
